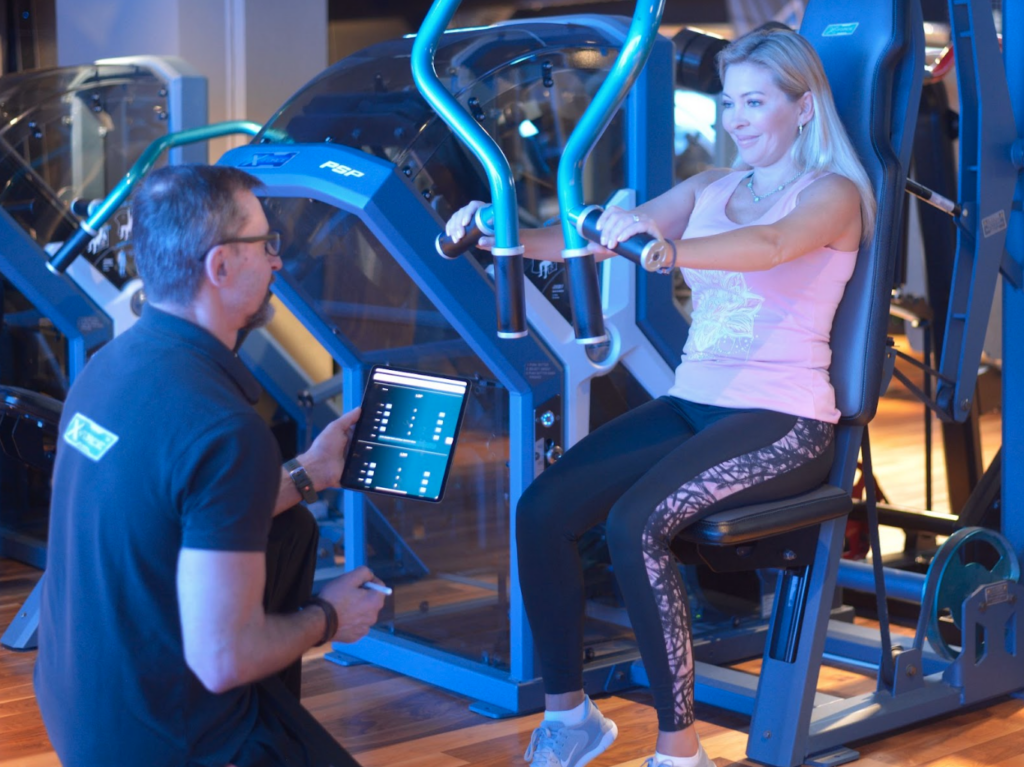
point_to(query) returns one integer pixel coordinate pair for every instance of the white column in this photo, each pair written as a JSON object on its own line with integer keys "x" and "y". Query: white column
{"x": 254, "y": 53}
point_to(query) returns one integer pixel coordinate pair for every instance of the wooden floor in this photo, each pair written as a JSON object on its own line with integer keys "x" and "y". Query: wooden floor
{"x": 392, "y": 721}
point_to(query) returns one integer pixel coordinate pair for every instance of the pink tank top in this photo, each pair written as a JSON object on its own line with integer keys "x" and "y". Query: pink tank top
{"x": 760, "y": 339}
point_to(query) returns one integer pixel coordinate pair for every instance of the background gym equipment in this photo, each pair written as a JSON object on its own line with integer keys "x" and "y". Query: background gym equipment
{"x": 68, "y": 135}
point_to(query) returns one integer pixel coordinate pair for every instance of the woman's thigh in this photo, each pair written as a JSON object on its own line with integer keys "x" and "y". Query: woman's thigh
{"x": 576, "y": 493}
{"x": 744, "y": 458}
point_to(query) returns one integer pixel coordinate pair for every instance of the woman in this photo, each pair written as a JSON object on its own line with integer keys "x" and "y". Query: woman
{"x": 767, "y": 251}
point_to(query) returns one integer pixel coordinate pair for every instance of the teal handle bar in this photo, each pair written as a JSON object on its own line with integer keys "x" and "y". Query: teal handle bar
{"x": 581, "y": 266}
{"x": 507, "y": 251}
{"x": 89, "y": 228}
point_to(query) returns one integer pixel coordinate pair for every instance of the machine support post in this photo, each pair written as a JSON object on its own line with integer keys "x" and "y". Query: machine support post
{"x": 1013, "y": 296}
{"x": 581, "y": 266}
{"x": 507, "y": 251}
{"x": 987, "y": 178}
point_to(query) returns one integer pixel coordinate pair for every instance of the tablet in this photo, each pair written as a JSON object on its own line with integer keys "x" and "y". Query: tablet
{"x": 404, "y": 440}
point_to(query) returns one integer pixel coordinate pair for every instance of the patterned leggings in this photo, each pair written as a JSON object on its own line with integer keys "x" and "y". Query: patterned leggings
{"x": 649, "y": 474}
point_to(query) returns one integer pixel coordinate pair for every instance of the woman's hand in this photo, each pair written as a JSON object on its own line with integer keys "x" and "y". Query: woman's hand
{"x": 461, "y": 219}
{"x": 617, "y": 225}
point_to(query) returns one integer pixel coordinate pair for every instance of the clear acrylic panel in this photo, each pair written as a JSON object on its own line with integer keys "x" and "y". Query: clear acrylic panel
{"x": 81, "y": 128}
{"x": 527, "y": 89}
{"x": 460, "y": 546}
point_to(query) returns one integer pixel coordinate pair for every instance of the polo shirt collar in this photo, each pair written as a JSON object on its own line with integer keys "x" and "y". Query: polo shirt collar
{"x": 166, "y": 324}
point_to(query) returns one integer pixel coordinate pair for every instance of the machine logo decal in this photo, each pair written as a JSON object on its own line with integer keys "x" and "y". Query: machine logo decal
{"x": 343, "y": 170}
{"x": 88, "y": 437}
{"x": 993, "y": 224}
{"x": 840, "y": 30}
{"x": 268, "y": 159}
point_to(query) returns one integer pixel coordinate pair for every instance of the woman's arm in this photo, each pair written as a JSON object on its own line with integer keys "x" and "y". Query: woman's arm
{"x": 671, "y": 210}
{"x": 827, "y": 214}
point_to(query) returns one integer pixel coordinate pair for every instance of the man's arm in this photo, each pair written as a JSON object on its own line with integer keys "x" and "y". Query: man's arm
{"x": 228, "y": 638}
{"x": 323, "y": 461}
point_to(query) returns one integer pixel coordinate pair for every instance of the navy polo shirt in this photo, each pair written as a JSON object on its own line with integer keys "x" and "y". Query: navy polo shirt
{"x": 160, "y": 449}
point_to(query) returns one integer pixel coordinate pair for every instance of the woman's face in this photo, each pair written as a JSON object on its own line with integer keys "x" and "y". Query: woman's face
{"x": 761, "y": 119}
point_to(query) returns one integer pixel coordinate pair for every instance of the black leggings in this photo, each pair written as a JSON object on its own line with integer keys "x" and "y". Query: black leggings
{"x": 650, "y": 473}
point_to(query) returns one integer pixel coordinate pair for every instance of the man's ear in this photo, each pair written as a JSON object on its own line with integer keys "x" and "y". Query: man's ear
{"x": 217, "y": 266}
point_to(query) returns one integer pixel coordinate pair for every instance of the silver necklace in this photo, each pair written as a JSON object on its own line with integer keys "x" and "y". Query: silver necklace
{"x": 758, "y": 197}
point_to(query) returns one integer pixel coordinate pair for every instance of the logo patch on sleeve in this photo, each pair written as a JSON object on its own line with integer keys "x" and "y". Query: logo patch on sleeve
{"x": 88, "y": 437}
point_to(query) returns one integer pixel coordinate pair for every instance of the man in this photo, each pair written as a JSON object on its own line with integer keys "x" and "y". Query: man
{"x": 174, "y": 610}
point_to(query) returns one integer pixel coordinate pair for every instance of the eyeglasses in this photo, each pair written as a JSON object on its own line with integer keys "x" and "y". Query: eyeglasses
{"x": 271, "y": 242}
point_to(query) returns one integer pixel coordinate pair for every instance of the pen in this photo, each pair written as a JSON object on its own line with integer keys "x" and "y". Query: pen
{"x": 373, "y": 586}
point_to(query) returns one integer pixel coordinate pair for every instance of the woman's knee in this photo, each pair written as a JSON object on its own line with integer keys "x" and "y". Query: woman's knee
{"x": 535, "y": 515}
{"x": 549, "y": 510}
{"x": 624, "y": 531}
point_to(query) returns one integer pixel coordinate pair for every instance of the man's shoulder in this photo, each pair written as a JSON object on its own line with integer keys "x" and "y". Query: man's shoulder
{"x": 139, "y": 360}
{"x": 136, "y": 387}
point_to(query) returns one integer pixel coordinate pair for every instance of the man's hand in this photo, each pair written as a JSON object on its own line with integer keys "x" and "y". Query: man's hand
{"x": 326, "y": 456}
{"x": 357, "y": 608}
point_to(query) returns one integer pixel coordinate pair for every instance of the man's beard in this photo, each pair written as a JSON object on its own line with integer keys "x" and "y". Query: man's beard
{"x": 261, "y": 316}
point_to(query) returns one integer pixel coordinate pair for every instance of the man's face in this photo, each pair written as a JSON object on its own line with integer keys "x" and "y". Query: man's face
{"x": 256, "y": 265}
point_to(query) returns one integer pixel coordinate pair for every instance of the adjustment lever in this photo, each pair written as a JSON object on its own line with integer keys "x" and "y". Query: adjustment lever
{"x": 933, "y": 198}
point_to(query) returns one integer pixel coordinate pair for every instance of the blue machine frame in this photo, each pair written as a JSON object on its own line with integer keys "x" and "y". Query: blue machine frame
{"x": 382, "y": 198}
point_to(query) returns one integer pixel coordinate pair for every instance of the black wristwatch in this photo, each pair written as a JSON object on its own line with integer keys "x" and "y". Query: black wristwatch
{"x": 301, "y": 479}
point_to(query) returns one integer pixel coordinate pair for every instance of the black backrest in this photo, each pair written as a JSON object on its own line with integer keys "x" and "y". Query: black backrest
{"x": 873, "y": 53}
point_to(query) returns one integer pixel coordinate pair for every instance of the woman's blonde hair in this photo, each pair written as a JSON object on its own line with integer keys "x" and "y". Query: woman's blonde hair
{"x": 823, "y": 144}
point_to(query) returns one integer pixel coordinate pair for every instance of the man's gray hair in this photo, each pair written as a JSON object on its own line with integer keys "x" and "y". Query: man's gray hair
{"x": 178, "y": 213}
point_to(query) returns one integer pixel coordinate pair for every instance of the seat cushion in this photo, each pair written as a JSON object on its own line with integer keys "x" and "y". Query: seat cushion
{"x": 749, "y": 523}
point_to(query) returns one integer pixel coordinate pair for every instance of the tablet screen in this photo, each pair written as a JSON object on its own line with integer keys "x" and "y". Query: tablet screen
{"x": 405, "y": 438}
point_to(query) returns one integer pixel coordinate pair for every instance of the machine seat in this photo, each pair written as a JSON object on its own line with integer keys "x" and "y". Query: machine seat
{"x": 777, "y": 534}
{"x": 22, "y": 402}
{"x": 764, "y": 520}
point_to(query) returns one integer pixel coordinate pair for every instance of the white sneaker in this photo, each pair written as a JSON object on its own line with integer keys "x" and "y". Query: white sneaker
{"x": 554, "y": 744}
{"x": 705, "y": 760}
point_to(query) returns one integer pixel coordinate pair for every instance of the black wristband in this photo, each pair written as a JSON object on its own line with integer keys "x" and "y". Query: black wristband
{"x": 330, "y": 614}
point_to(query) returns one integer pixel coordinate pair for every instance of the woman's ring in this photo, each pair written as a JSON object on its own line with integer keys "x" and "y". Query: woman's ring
{"x": 636, "y": 218}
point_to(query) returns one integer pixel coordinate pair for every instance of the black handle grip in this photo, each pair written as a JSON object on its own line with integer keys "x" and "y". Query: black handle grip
{"x": 448, "y": 248}
{"x": 644, "y": 249}
{"x": 71, "y": 250}
{"x": 585, "y": 299}
{"x": 510, "y": 296}
{"x": 83, "y": 207}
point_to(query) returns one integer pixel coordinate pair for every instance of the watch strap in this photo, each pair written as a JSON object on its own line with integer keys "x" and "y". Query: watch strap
{"x": 330, "y": 615}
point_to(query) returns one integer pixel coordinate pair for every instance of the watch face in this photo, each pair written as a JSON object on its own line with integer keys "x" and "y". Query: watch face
{"x": 302, "y": 481}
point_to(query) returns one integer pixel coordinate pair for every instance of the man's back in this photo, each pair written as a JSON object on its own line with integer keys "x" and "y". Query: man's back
{"x": 161, "y": 449}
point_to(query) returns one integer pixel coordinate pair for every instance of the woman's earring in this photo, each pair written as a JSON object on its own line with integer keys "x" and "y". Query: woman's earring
{"x": 800, "y": 129}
